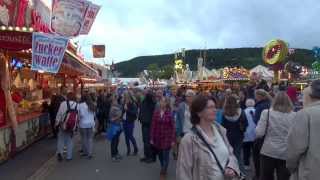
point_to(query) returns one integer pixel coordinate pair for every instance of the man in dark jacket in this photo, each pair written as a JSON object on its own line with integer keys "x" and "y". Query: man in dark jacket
{"x": 145, "y": 117}
{"x": 55, "y": 102}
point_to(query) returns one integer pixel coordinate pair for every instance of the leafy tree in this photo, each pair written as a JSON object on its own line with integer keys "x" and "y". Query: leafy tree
{"x": 153, "y": 71}
{"x": 166, "y": 72}
{"x": 216, "y": 58}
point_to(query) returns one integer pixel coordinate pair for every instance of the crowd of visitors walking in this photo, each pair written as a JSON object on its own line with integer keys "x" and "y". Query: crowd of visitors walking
{"x": 212, "y": 135}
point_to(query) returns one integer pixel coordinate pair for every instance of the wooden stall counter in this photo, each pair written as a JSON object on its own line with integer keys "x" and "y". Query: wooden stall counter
{"x": 30, "y": 129}
{"x": 28, "y": 116}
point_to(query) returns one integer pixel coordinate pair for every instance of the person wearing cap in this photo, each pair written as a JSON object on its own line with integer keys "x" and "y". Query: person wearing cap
{"x": 303, "y": 157}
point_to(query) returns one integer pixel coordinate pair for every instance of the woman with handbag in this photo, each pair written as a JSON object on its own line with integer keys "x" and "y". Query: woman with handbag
{"x": 205, "y": 153}
{"x": 130, "y": 111}
{"x": 274, "y": 125}
{"x": 115, "y": 127}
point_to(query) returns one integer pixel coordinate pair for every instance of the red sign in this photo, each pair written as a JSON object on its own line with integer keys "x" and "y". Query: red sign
{"x": 15, "y": 41}
{"x": 18, "y": 13}
{"x": 37, "y": 23}
{"x": 9, "y": 11}
{"x": 98, "y": 51}
{"x": 40, "y": 16}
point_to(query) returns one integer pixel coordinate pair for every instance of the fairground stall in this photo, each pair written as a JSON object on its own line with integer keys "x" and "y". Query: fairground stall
{"x": 24, "y": 92}
{"x": 233, "y": 77}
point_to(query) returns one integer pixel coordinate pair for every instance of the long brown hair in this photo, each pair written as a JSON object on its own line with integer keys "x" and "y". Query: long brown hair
{"x": 167, "y": 103}
{"x": 90, "y": 102}
{"x": 231, "y": 106}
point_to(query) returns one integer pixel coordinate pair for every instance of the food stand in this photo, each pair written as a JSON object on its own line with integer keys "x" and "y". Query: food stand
{"x": 23, "y": 91}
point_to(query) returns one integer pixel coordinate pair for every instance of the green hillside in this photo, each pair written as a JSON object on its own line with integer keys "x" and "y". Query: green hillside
{"x": 216, "y": 58}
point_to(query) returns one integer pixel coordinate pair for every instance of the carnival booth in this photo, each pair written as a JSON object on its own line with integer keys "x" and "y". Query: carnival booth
{"x": 263, "y": 72}
{"x": 24, "y": 90}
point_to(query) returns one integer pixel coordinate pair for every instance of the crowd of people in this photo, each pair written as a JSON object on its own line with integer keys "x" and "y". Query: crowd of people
{"x": 212, "y": 135}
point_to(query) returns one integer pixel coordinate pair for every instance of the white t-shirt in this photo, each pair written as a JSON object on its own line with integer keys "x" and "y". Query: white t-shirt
{"x": 86, "y": 117}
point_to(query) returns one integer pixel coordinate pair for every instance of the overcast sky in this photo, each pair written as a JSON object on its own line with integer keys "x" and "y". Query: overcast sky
{"x": 131, "y": 28}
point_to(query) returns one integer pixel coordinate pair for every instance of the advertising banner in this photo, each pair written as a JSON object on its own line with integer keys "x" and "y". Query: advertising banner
{"x": 68, "y": 16}
{"x": 90, "y": 16}
{"x": 47, "y": 52}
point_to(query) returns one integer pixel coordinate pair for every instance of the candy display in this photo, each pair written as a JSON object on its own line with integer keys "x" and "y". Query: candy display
{"x": 235, "y": 73}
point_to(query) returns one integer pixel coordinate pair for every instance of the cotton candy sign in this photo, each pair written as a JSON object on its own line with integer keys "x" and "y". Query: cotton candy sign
{"x": 47, "y": 52}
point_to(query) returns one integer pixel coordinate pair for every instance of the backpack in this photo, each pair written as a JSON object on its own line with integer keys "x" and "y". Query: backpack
{"x": 243, "y": 122}
{"x": 71, "y": 119}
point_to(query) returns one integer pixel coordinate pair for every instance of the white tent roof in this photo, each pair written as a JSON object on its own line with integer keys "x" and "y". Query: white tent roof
{"x": 263, "y": 71}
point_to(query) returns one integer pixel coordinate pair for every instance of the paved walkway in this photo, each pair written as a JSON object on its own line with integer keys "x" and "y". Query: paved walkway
{"x": 27, "y": 162}
{"x": 39, "y": 163}
{"x": 100, "y": 167}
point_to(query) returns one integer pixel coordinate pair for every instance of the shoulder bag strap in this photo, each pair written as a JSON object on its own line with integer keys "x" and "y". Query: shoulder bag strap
{"x": 68, "y": 105}
{"x": 195, "y": 130}
{"x": 267, "y": 123}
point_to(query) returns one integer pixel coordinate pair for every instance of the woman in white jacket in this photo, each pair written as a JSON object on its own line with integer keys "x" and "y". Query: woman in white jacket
{"x": 87, "y": 109}
{"x": 274, "y": 124}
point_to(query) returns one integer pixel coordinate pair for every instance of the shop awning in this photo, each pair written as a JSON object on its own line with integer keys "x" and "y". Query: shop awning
{"x": 19, "y": 42}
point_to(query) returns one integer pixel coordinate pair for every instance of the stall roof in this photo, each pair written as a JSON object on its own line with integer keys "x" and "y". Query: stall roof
{"x": 71, "y": 64}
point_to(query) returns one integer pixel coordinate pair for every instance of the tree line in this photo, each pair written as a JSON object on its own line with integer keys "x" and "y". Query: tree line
{"x": 215, "y": 58}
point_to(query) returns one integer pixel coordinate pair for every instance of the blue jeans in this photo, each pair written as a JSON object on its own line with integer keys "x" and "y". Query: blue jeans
{"x": 65, "y": 139}
{"x": 87, "y": 140}
{"x": 128, "y": 128}
{"x": 114, "y": 144}
{"x": 164, "y": 156}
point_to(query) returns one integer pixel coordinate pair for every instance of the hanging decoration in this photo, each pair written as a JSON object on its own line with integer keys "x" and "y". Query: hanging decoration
{"x": 275, "y": 52}
{"x": 316, "y": 51}
{"x": 316, "y": 64}
{"x": 73, "y": 17}
{"x": 293, "y": 68}
{"x": 98, "y": 51}
{"x": 179, "y": 64}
